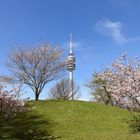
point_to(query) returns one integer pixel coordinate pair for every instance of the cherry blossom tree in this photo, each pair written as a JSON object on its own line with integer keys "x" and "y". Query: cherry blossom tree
{"x": 123, "y": 82}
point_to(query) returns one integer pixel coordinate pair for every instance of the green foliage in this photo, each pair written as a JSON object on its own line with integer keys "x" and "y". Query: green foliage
{"x": 99, "y": 90}
{"x": 134, "y": 123}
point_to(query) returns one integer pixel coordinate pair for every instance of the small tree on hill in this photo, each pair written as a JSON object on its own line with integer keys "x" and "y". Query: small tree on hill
{"x": 99, "y": 90}
{"x": 37, "y": 66}
{"x": 62, "y": 90}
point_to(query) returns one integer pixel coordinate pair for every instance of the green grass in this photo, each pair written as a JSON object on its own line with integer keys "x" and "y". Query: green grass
{"x": 71, "y": 120}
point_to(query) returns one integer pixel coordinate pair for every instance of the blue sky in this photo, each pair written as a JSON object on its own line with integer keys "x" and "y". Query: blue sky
{"x": 102, "y": 30}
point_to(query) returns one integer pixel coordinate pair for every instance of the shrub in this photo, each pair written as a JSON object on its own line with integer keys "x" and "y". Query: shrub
{"x": 134, "y": 123}
{"x": 10, "y": 105}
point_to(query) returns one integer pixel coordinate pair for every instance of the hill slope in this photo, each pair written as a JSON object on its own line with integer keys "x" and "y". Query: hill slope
{"x": 73, "y": 120}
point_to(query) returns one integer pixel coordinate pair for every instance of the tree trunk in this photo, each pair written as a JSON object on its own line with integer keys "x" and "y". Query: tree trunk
{"x": 109, "y": 101}
{"x": 37, "y": 93}
{"x": 36, "y": 96}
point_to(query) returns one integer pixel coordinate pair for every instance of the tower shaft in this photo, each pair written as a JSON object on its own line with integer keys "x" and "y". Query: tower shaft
{"x": 71, "y": 85}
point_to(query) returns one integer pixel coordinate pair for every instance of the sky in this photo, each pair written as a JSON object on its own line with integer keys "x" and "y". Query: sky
{"x": 102, "y": 30}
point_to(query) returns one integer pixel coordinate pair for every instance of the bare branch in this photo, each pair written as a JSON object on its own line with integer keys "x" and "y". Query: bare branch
{"x": 62, "y": 90}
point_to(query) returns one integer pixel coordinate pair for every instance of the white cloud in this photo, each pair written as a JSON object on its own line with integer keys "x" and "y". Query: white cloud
{"x": 114, "y": 30}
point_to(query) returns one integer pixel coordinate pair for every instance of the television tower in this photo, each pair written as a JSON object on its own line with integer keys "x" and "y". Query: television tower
{"x": 71, "y": 67}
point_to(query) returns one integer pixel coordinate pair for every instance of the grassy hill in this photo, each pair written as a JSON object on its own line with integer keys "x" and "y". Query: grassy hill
{"x": 71, "y": 120}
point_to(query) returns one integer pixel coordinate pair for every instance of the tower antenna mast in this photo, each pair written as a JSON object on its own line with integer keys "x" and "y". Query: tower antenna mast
{"x": 70, "y": 43}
